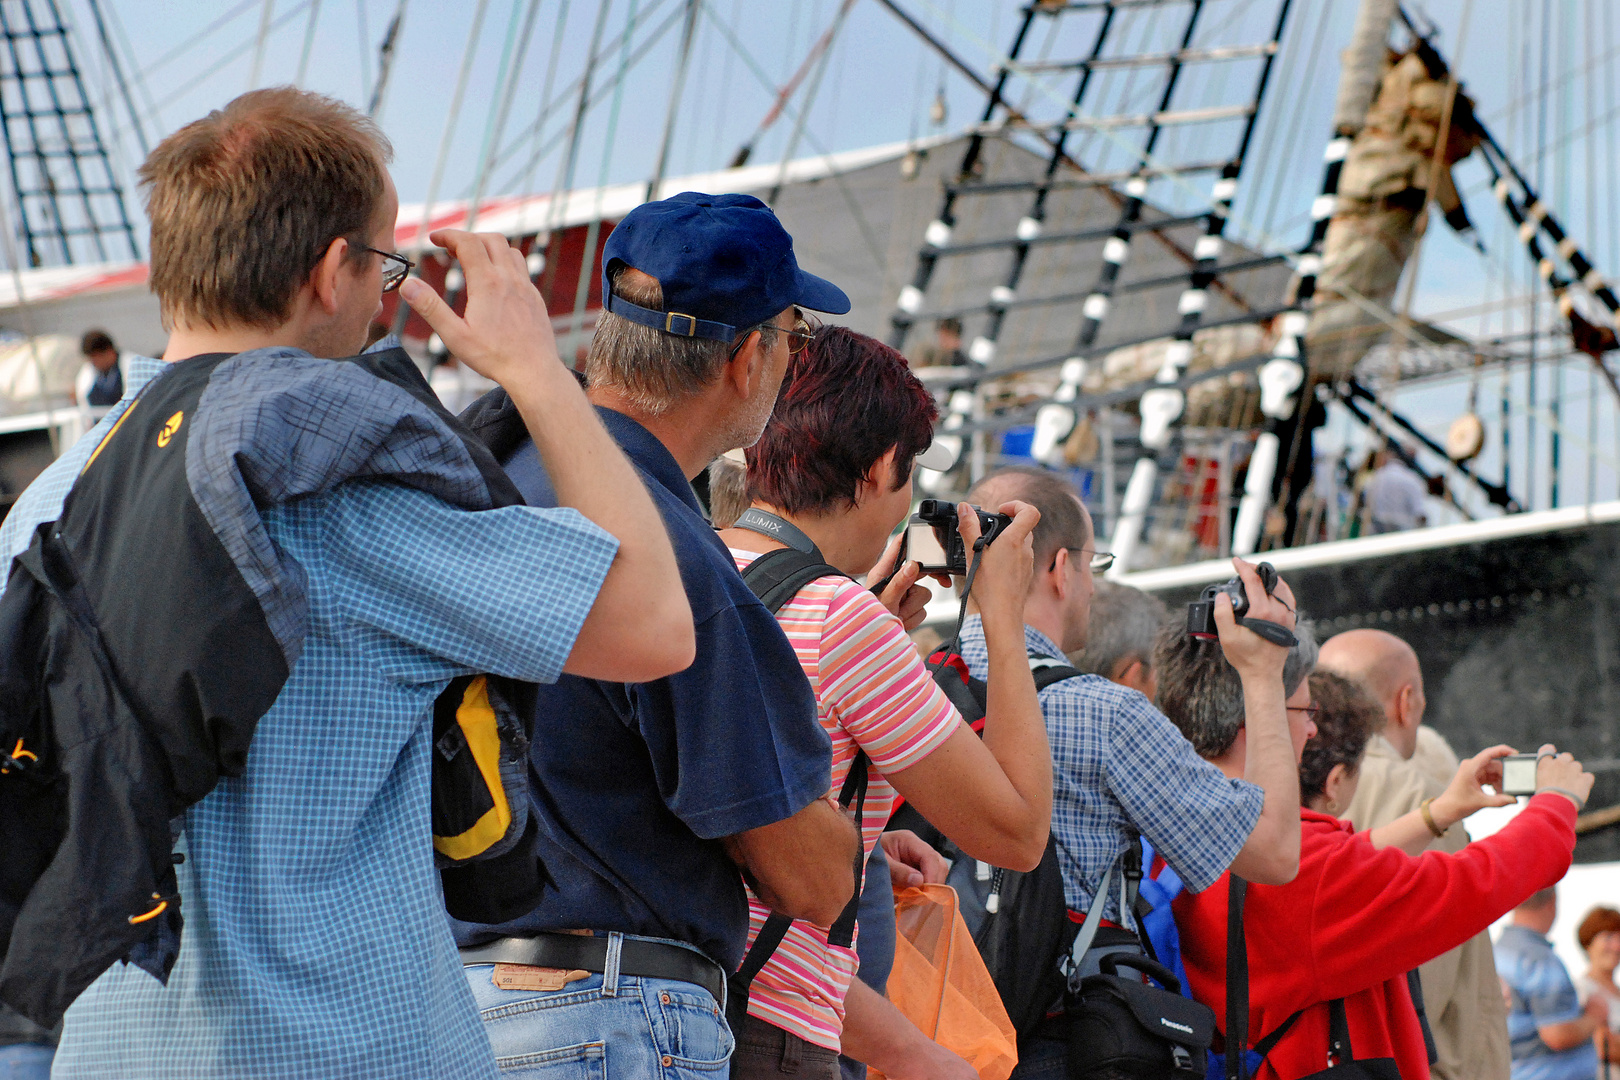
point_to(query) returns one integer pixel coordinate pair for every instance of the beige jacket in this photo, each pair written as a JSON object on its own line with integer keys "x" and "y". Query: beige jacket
{"x": 1460, "y": 988}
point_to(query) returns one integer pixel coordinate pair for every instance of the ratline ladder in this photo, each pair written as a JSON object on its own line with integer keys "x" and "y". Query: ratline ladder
{"x": 70, "y": 206}
{"x": 1158, "y": 100}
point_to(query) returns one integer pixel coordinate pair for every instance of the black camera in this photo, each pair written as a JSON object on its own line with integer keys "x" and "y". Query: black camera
{"x": 934, "y": 540}
{"x": 1201, "y": 612}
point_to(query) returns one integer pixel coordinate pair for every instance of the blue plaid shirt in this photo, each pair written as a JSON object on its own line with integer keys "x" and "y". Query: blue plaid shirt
{"x": 315, "y": 941}
{"x": 1117, "y": 762}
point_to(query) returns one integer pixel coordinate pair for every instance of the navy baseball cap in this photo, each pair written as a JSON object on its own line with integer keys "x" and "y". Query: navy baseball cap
{"x": 724, "y": 261}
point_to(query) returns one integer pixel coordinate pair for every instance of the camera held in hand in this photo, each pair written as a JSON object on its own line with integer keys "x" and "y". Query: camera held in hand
{"x": 934, "y": 539}
{"x": 1201, "y": 612}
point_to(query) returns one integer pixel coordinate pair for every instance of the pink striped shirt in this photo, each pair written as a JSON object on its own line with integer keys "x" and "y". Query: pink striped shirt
{"x": 872, "y": 693}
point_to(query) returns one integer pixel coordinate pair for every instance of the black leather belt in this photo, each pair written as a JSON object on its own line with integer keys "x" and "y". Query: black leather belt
{"x": 647, "y": 959}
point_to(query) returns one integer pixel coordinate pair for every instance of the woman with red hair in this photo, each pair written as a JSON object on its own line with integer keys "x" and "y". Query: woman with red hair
{"x": 831, "y": 476}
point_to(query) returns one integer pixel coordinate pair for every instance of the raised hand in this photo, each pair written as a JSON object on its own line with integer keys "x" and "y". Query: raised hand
{"x": 505, "y": 333}
{"x": 902, "y": 595}
{"x": 1246, "y": 650}
{"x": 1008, "y": 563}
{"x": 1563, "y": 774}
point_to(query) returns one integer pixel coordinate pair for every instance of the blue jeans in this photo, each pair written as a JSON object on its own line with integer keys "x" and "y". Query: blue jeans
{"x": 26, "y": 1061}
{"x": 604, "y": 1025}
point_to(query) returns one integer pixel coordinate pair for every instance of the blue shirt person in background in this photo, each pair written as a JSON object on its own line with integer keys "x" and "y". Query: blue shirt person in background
{"x": 1550, "y": 1034}
{"x": 655, "y": 799}
{"x": 315, "y": 943}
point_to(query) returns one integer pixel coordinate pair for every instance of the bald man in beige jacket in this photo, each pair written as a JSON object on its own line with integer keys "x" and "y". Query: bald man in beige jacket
{"x": 1461, "y": 993}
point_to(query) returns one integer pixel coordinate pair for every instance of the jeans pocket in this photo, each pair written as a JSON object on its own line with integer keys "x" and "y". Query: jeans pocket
{"x": 586, "y": 1061}
{"x": 691, "y": 1033}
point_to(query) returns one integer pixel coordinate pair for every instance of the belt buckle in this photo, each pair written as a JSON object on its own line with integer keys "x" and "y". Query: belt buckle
{"x": 691, "y": 324}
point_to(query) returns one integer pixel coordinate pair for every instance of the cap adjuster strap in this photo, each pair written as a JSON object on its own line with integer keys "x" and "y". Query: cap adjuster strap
{"x": 688, "y": 326}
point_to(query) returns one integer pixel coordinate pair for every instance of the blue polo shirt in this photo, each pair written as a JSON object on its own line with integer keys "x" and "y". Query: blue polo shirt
{"x": 635, "y": 784}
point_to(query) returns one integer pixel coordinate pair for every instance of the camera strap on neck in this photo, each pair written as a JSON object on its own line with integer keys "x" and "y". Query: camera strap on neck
{"x": 777, "y": 528}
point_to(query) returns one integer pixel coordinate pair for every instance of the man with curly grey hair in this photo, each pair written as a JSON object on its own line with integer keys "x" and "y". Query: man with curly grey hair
{"x": 1202, "y": 693}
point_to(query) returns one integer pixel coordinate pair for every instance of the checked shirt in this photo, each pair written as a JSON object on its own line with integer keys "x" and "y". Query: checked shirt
{"x": 1118, "y": 762}
{"x": 315, "y": 941}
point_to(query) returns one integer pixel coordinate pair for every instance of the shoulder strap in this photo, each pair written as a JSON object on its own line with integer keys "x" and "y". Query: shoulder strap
{"x": 1047, "y": 672}
{"x": 777, "y": 576}
{"x": 1415, "y": 985}
{"x": 1237, "y": 981}
{"x": 1339, "y": 1033}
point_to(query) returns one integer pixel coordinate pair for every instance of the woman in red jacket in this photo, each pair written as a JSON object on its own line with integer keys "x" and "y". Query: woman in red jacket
{"x": 1365, "y": 908}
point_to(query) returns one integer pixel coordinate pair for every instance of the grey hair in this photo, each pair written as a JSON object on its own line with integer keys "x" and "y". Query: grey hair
{"x": 1124, "y": 623}
{"x": 1202, "y": 694}
{"x": 653, "y": 370}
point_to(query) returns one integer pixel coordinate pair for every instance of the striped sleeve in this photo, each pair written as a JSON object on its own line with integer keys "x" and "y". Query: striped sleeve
{"x": 875, "y": 683}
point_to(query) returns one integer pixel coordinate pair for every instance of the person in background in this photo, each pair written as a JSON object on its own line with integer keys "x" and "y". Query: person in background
{"x": 1362, "y": 911}
{"x": 1599, "y": 937}
{"x": 1461, "y": 995}
{"x": 101, "y": 381}
{"x": 728, "y": 491}
{"x": 831, "y": 476}
{"x": 1395, "y": 495}
{"x": 1119, "y": 641}
{"x": 946, "y": 348}
{"x": 1551, "y": 1032}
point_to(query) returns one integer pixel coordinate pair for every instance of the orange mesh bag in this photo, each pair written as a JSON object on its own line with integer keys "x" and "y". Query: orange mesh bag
{"x": 942, "y": 985}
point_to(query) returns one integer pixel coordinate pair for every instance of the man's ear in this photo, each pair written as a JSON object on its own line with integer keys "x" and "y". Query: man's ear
{"x": 746, "y": 367}
{"x": 1058, "y": 575}
{"x": 1404, "y": 709}
{"x": 323, "y": 280}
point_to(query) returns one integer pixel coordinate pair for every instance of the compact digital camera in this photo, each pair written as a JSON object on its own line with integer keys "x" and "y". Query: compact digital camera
{"x": 1201, "y": 612}
{"x": 934, "y": 540}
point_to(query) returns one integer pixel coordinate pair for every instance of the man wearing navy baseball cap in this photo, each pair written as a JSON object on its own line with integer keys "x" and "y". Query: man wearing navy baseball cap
{"x": 651, "y": 797}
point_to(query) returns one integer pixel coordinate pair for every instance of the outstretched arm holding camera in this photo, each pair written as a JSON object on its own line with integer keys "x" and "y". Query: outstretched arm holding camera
{"x": 1271, "y": 854}
{"x": 1555, "y": 772}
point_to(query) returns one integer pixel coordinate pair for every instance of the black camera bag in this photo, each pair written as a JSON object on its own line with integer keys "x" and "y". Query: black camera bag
{"x": 1121, "y": 1028}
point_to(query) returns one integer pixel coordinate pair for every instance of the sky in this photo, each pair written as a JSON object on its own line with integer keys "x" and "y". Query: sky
{"x": 1543, "y": 73}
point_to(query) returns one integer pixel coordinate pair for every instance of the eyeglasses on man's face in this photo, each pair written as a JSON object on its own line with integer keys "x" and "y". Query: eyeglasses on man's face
{"x": 1309, "y": 710}
{"x": 798, "y": 336}
{"x": 396, "y": 267}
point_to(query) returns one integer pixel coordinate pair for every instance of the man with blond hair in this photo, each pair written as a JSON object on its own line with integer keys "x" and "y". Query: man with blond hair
{"x": 313, "y": 941}
{"x": 1459, "y": 988}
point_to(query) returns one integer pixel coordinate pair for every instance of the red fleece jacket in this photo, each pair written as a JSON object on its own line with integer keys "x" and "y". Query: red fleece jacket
{"x": 1355, "y": 921}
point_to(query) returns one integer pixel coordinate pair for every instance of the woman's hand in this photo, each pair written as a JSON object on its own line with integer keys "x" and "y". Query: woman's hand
{"x": 1466, "y": 793}
{"x": 911, "y": 861}
{"x": 902, "y": 595}
{"x": 1007, "y": 565}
